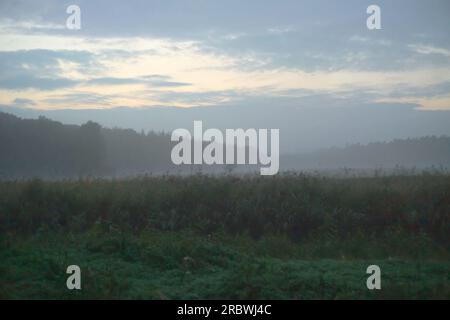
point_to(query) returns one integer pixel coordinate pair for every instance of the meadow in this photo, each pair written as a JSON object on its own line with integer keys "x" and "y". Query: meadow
{"x": 291, "y": 236}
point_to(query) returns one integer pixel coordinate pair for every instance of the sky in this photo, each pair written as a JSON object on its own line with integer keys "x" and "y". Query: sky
{"x": 210, "y": 53}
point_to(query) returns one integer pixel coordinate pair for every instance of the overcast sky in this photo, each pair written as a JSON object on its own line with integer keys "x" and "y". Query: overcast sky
{"x": 200, "y": 53}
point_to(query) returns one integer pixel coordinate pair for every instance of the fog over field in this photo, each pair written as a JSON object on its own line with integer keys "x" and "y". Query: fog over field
{"x": 303, "y": 128}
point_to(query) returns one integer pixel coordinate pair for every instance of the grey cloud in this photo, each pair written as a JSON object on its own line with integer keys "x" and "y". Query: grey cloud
{"x": 81, "y": 97}
{"x": 151, "y": 81}
{"x": 30, "y": 81}
{"x": 437, "y": 90}
{"x": 210, "y": 97}
{"x": 37, "y": 68}
{"x": 113, "y": 81}
{"x": 19, "y": 102}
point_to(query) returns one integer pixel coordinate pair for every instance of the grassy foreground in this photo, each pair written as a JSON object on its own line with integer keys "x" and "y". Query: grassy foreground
{"x": 286, "y": 237}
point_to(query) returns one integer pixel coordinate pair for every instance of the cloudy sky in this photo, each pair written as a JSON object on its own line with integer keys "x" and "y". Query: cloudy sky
{"x": 200, "y": 53}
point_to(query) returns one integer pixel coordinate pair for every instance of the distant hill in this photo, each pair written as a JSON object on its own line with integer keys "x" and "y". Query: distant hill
{"x": 303, "y": 127}
{"x": 419, "y": 153}
{"x": 49, "y": 149}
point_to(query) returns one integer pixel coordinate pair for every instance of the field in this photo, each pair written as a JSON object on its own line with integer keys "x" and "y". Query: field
{"x": 293, "y": 236}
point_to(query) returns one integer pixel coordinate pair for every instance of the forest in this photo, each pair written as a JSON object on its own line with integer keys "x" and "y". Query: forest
{"x": 42, "y": 148}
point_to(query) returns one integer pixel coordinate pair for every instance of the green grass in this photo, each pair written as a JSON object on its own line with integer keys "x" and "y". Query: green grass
{"x": 154, "y": 266}
{"x": 198, "y": 237}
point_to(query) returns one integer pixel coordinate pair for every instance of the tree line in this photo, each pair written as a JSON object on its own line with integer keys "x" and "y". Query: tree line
{"x": 45, "y": 148}
{"x": 49, "y": 149}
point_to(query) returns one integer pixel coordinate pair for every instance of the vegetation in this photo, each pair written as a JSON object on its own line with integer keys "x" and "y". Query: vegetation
{"x": 51, "y": 150}
{"x": 293, "y": 236}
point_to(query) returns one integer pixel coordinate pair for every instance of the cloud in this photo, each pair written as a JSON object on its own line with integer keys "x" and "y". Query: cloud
{"x": 430, "y": 50}
{"x": 280, "y": 30}
{"x": 436, "y": 90}
{"x": 214, "y": 53}
{"x": 29, "y": 26}
{"x": 196, "y": 98}
{"x": 151, "y": 81}
{"x": 21, "y": 102}
{"x": 80, "y": 98}
{"x": 39, "y": 69}
{"x": 29, "y": 81}
{"x": 374, "y": 41}
{"x": 113, "y": 81}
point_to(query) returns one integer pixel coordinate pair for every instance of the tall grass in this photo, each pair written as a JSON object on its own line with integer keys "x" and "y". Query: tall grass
{"x": 289, "y": 236}
{"x": 295, "y": 205}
